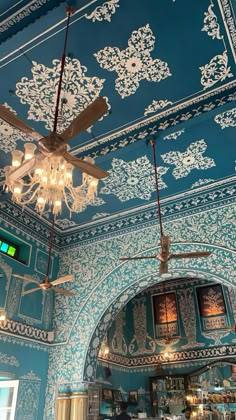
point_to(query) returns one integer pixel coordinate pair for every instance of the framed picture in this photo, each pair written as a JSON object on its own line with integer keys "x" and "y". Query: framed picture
{"x": 133, "y": 396}
{"x": 107, "y": 394}
{"x": 117, "y": 397}
{"x": 165, "y": 309}
{"x": 211, "y": 300}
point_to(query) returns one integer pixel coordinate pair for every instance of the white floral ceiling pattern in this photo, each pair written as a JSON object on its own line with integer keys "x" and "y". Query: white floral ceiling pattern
{"x": 124, "y": 52}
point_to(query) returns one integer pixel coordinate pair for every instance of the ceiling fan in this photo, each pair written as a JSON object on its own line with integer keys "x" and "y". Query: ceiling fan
{"x": 54, "y": 143}
{"x": 46, "y": 284}
{"x": 165, "y": 255}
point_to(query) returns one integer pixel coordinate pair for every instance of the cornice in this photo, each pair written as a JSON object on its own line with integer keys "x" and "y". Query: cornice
{"x": 19, "y": 330}
{"x": 176, "y": 357}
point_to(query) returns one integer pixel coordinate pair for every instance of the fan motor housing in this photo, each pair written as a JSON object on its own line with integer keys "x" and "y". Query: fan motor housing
{"x": 52, "y": 145}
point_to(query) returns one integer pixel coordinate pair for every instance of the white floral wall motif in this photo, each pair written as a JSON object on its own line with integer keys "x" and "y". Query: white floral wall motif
{"x": 28, "y": 399}
{"x": 9, "y": 135}
{"x": 191, "y": 159}
{"x": 216, "y": 70}
{"x": 78, "y": 91}
{"x": 104, "y": 12}
{"x": 156, "y": 105}
{"x": 188, "y": 316}
{"x": 226, "y": 118}
{"x": 118, "y": 341}
{"x": 211, "y": 26}
{"x": 134, "y": 63}
{"x": 141, "y": 342}
{"x": 101, "y": 282}
{"x": 132, "y": 179}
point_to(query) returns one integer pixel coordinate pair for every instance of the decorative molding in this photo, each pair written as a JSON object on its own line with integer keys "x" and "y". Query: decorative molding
{"x": 21, "y": 14}
{"x": 176, "y": 357}
{"x": 15, "y": 339}
{"x": 228, "y": 17}
{"x": 119, "y": 139}
{"x": 178, "y": 206}
{"x": 23, "y": 330}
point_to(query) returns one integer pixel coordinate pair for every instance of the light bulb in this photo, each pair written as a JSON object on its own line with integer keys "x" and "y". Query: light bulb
{"x": 106, "y": 350}
{"x": 29, "y": 150}
{"x": 16, "y": 158}
{"x": 3, "y": 315}
{"x": 17, "y": 188}
{"x": 40, "y": 200}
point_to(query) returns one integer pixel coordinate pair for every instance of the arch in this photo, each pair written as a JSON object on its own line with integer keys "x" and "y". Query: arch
{"x": 75, "y": 361}
{"x": 123, "y": 283}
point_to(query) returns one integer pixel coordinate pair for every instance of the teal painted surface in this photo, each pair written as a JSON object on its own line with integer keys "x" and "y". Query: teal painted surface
{"x": 27, "y": 362}
{"x": 133, "y": 332}
{"x": 36, "y": 308}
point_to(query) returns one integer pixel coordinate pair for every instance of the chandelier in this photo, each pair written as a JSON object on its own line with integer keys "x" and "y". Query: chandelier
{"x": 49, "y": 183}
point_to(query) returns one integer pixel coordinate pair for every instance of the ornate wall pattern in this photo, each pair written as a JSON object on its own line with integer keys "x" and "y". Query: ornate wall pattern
{"x": 118, "y": 341}
{"x": 141, "y": 343}
{"x": 28, "y": 397}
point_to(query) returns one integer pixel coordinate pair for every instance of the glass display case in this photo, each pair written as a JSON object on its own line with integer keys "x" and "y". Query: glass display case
{"x": 168, "y": 395}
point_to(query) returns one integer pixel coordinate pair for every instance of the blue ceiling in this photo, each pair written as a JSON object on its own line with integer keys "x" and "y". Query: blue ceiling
{"x": 167, "y": 70}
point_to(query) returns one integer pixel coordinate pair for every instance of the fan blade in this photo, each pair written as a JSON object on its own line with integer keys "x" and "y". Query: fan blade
{"x": 137, "y": 258}
{"x": 12, "y": 119}
{"x": 63, "y": 291}
{"x": 163, "y": 267}
{"x": 63, "y": 279}
{"x": 25, "y": 168}
{"x": 199, "y": 254}
{"x": 27, "y": 292}
{"x": 26, "y": 278}
{"x": 85, "y": 119}
{"x": 85, "y": 166}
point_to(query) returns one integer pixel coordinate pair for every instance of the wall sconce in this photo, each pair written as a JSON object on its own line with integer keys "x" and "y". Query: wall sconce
{"x": 3, "y": 314}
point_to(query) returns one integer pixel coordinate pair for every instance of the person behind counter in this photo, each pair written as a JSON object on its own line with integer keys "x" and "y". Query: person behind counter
{"x": 123, "y": 415}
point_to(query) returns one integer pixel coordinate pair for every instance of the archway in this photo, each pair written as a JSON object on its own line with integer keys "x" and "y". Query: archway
{"x": 75, "y": 361}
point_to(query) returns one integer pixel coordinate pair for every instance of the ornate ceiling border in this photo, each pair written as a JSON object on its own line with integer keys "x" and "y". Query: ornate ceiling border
{"x": 221, "y": 193}
{"x": 172, "y": 208}
{"x": 157, "y": 124}
{"x": 31, "y": 9}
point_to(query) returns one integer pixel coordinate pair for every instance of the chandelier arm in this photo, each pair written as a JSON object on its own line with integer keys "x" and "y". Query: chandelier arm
{"x": 32, "y": 197}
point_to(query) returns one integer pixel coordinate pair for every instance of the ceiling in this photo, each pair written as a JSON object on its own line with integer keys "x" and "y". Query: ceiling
{"x": 167, "y": 70}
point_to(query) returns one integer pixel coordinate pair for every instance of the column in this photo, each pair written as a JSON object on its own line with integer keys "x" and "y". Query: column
{"x": 63, "y": 407}
{"x": 79, "y": 405}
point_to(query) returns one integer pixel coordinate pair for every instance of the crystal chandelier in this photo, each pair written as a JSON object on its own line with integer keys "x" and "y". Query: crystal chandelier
{"x": 49, "y": 183}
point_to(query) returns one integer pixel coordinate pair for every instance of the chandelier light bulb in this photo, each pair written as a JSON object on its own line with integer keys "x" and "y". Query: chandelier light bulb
{"x": 17, "y": 188}
{"x": 29, "y": 150}
{"x": 16, "y": 158}
{"x": 50, "y": 184}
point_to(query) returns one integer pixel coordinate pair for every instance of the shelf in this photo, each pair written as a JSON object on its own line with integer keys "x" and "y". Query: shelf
{"x": 170, "y": 390}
